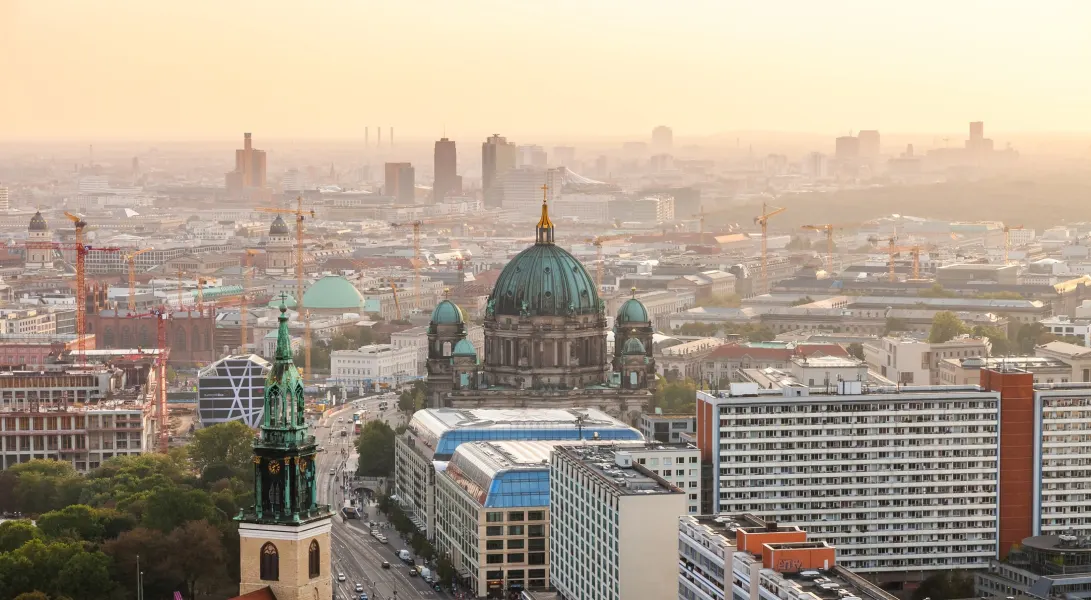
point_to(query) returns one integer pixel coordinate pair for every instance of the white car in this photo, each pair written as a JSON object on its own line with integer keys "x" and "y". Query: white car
{"x": 340, "y": 577}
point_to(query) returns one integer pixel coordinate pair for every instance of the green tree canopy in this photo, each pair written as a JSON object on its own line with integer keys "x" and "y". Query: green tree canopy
{"x": 413, "y": 399}
{"x": 15, "y": 533}
{"x": 230, "y": 444}
{"x": 375, "y": 446}
{"x": 856, "y": 350}
{"x": 674, "y": 397}
{"x": 946, "y": 585}
{"x": 945, "y": 327}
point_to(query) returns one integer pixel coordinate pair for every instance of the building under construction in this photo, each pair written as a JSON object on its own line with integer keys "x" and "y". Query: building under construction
{"x": 82, "y": 415}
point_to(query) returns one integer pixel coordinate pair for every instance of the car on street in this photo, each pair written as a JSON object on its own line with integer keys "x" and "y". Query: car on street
{"x": 413, "y": 572}
{"x": 386, "y": 565}
{"x": 340, "y": 577}
{"x": 333, "y": 470}
{"x": 359, "y": 587}
{"x": 363, "y": 596}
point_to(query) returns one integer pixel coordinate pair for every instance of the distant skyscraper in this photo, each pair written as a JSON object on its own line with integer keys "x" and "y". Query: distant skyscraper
{"x": 249, "y": 168}
{"x": 869, "y": 144}
{"x": 531, "y": 156}
{"x": 293, "y": 181}
{"x": 400, "y": 182}
{"x": 497, "y": 158}
{"x": 977, "y": 131}
{"x": 662, "y": 139}
{"x": 847, "y": 148}
{"x": 446, "y": 182}
{"x": 5, "y": 200}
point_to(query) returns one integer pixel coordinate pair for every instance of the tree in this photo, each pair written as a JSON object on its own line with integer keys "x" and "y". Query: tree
{"x": 15, "y": 533}
{"x": 375, "y": 446}
{"x": 412, "y": 399}
{"x": 728, "y": 301}
{"x": 801, "y": 301}
{"x": 195, "y": 554}
{"x": 674, "y": 397}
{"x": 703, "y": 329}
{"x": 946, "y": 585}
{"x": 77, "y": 522}
{"x": 86, "y": 575}
{"x": 945, "y": 327}
{"x": 228, "y": 443}
{"x": 35, "y": 595}
{"x": 856, "y": 350}
{"x": 894, "y": 324}
{"x": 1001, "y": 345}
{"x": 168, "y": 508}
{"x": 936, "y": 291}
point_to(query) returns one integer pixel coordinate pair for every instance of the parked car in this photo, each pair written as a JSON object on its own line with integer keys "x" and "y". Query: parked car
{"x": 340, "y": 577}
{"x": 413, "y": 572}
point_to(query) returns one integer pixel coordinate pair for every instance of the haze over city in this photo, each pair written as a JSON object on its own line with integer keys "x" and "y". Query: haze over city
{"x": 509, "y": 300}
{"x": 156, "y": 70}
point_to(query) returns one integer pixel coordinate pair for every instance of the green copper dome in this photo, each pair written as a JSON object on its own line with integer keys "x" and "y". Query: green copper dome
{"x": 633, "y": 346}
{"x": 333, "y": 293}
{"x": 447, "y": 313}
{"x": 632, "y": 311}
{"x": 464, "y": 348}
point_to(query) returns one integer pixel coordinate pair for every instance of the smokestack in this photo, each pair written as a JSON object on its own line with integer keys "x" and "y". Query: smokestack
{"x": 379, "y": 143}
{"x": 391, "y": 137}
{"x": 367, "y": 134}
{"x": 246, "y": 140}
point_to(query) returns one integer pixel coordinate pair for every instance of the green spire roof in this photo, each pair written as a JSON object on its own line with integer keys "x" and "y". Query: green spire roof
{"x": 447, "y": 313}
{"x": 464, "y": 348}
{"x": 634, "y": 346}
{"x": 283, "y": 424}
{"x": 632, "y": 311}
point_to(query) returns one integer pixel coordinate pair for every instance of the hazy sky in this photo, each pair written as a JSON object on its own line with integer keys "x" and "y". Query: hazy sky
{"x": 153, "y": 69}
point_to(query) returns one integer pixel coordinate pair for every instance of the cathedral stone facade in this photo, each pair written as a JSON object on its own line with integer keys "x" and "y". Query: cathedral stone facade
{"x": 545, "y": 341}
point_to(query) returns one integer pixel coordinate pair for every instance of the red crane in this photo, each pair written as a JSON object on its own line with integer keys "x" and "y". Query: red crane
{"x": 161, "y": 356}
{"x": 82, "y": 250}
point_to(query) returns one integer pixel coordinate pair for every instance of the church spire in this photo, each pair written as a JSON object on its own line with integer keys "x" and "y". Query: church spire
{"x": 545, "y": 226}
{"x": 284, "y": 339}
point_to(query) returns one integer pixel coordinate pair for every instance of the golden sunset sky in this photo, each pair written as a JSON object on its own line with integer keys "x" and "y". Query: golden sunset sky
{"x": 148, "y": 69}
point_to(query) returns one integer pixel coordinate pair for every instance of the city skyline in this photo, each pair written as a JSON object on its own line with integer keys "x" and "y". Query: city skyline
{"x": 721, "y": 69}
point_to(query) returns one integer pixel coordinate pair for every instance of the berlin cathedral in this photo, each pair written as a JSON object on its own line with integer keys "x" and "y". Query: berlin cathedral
{"x": 545, "y": 341}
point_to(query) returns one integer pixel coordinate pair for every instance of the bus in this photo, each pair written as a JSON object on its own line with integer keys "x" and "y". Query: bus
{"x": 349, "y": 511}
{"x": 358, "y": 427}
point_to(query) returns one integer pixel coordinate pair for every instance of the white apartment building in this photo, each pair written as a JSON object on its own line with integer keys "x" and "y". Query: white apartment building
{"x": 915, "y": 361}
{"x": 1062, "y": 496}
{"x": 678, "y": 464}
{"x": 652, "y": 209}
{"x": 373, "y": 362}
{"x": 28, "y": 322}
{"x": 1064, "y": 326}
{"x": 83, "y": 437}
{"x": 741, "y": 557}
{"x": 666, "y": 428}
{"x": 899, "y": 479}
{"x": 613, "y": 526}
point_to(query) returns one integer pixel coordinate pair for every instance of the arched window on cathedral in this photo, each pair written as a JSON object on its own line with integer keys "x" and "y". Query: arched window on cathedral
{"x": 196, "y": 341}
{"x": 446, "y": 348}
{"x": 270, "y": 562}
{"x": 126, "y": 337}
{"x": 314, "y": 560}
{"x": 179, "y": 343}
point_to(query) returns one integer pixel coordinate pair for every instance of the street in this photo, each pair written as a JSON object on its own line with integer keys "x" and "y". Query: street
{"x": 355, "y": 552}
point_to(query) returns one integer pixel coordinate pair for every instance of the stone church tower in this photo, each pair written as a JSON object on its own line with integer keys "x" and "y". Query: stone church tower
{"x": 39, "y": 252}
{"x": 278, "y": 251}
{"x": 285, "y": 536}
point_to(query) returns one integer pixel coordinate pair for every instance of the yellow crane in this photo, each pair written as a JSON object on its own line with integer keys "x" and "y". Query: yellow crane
{"x": 767, "y": 212}
{"x": 893, "y": 249}
{"x": 300, "y": 216}
{"x": 600, "y": 264}
{"x": 828, "y": 229}
{"x": 417, "y": 260}
{"x": 131, "y": 259}
{"x": 1007, "y": 239}
{"x": 397, "y": 304}
{"x": 247, "y": 277}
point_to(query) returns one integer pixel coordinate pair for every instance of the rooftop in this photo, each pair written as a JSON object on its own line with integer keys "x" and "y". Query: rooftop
{"x": 614, "y": 465}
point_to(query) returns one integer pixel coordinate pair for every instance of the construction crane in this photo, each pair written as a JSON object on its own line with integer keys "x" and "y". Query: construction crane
{"x": 601, "y": 263}
{"x": 763, "y": 219}
{"x": 131, "y": 259}
{"x": 1007, "y": 239}
{"x": 702, "y": 216}
{"x": 160, "y": 391}
{"x": 397, "y": 304}
{"x": 417, "y": 260}
{"x": 300, "y": 215}
{"x": 247, "y": 276}
{"x": 828, "y": 229}
{"x": 893, "y": 249}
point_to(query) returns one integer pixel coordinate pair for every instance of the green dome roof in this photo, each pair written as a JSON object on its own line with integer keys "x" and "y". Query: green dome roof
{"x": 464, "y": 348}
{"x": 633, "y": 346}
{"x": 333, "y": 293}
{"x": 632, "y": 311}
{"x": 549, "y": 280}
{"x": 447, "y": 313}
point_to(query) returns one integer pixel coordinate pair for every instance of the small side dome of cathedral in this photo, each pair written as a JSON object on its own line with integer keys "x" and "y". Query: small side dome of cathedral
{"x": 279, "y": 227}
{"x": 633, "y": 311}
{"x": 464, "y": 348}
{"x": 448, "y": 313}
{"x": 634, "y": 346}
{"x": 37, "y": 222}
